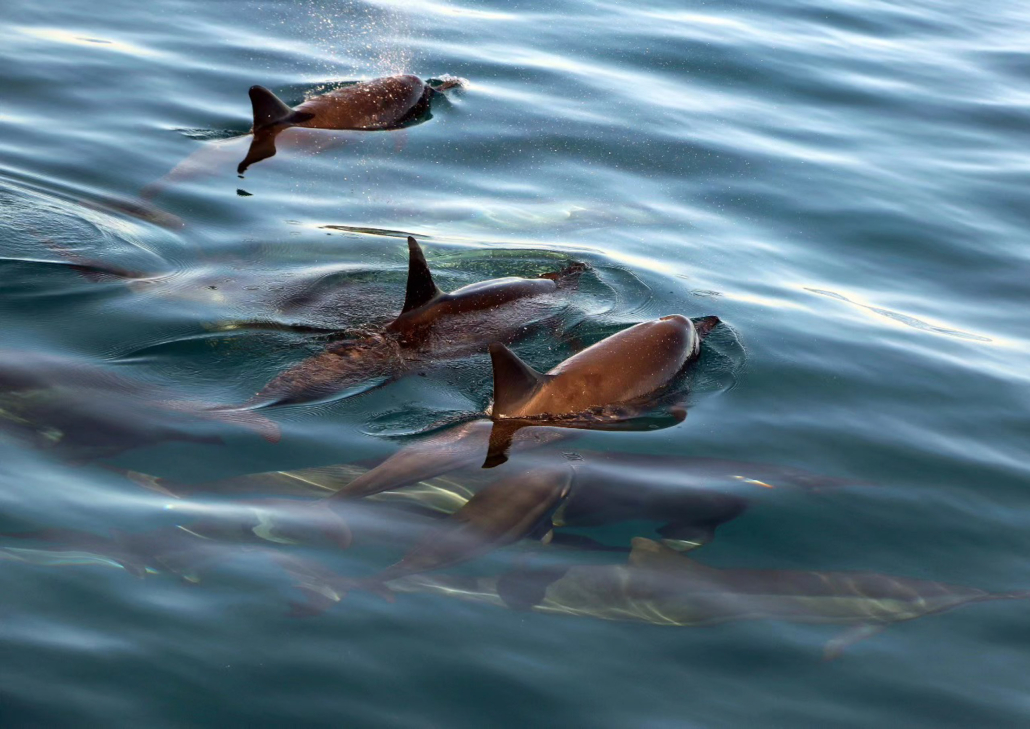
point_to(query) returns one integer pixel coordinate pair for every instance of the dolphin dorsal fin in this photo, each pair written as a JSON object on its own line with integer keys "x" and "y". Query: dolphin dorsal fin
{"x": 421, "y": 288}
{"x": 514, "y": 380}
{"x": 649, "y": 554}
{"x": 270, "y": 110}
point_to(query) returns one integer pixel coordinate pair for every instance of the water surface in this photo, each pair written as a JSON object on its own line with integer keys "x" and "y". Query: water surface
{"x": 841, "y": 183}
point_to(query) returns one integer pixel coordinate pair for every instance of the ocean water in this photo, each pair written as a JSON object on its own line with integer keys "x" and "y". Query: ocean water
{"x": 842, "y": 183}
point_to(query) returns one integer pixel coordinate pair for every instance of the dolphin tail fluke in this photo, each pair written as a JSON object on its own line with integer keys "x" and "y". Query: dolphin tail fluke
{"x": 514, "y": 380}
{"x": 705, "y": 325}
{"x": 421, "y": 287}
{"x": 270, "y": 110}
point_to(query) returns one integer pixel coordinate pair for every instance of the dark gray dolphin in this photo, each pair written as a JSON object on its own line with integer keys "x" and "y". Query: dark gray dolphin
{"x": 432, "y": 325}
{"x": 85, "y": 412}
{"x": 162, "y": 551}
{"x": 208, "y": 533}
{"x": 391, "y": 102}
{"x": 662, "y": 587}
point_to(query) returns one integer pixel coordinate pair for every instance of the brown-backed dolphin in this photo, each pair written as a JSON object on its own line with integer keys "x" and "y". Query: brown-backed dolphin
{"x": 432, "y": 325}
{"x": 625, "y": 368}
{"x": 606, "y": 385}
{"x": 381, "y": 104}
{"x": 663, "y": 587}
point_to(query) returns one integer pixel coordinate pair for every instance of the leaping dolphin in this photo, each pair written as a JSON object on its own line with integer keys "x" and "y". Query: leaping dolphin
{"x": 432, "y": 324}
{"x": 385, "y": 103}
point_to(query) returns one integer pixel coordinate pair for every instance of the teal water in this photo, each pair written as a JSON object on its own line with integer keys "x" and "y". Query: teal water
{"x": 841, "y": 183}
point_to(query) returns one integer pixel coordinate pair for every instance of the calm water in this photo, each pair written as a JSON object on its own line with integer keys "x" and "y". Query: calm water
{"x": 843, "y": 183}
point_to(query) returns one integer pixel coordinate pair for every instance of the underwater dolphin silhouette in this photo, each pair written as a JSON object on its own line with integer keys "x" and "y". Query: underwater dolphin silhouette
{"x": 84, "y": 412}
{"x": 457, "y": 447}
{"x": 663, "y": 587}
{"x": 381, "y": 104}
{"x": 209, "y": 533}
{"x": 432, "y": 324}
{"x": 502, "y": 513}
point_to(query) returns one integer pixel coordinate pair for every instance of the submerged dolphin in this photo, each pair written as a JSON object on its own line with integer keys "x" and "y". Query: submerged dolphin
{"x": 500, "y": 514}
{"x": 385, "y": 103}
{"x": 432, "y": 324}
{"x": 168, "y": 550}
{"x": 663, "y": 587}
{"x": 208, "y": 533}
{"x": 449, "y": 450}
{"x": 86, "y": 412}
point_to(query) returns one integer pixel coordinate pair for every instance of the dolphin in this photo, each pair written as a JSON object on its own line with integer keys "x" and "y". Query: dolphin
{"x": 85, "y": 412}
{"x": 432, "y": 325}
{"x": 162, "y": 551}
{"x": 663, "y": 587}
{"x": 627, "y": 367}
{"x": 500, "y": 514}
{"x": 262, "y": 521}
{"x": 457, "y": 447}
{"x": 209, "y": 532}
{"x": 304, "y": 301}
{"x": 391, "y": 102}
{"x": 72, "y": 546}
{"x": 606, "y": 386}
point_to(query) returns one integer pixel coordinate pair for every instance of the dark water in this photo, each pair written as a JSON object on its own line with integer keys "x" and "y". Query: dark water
{"x": 841, "y": 183}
